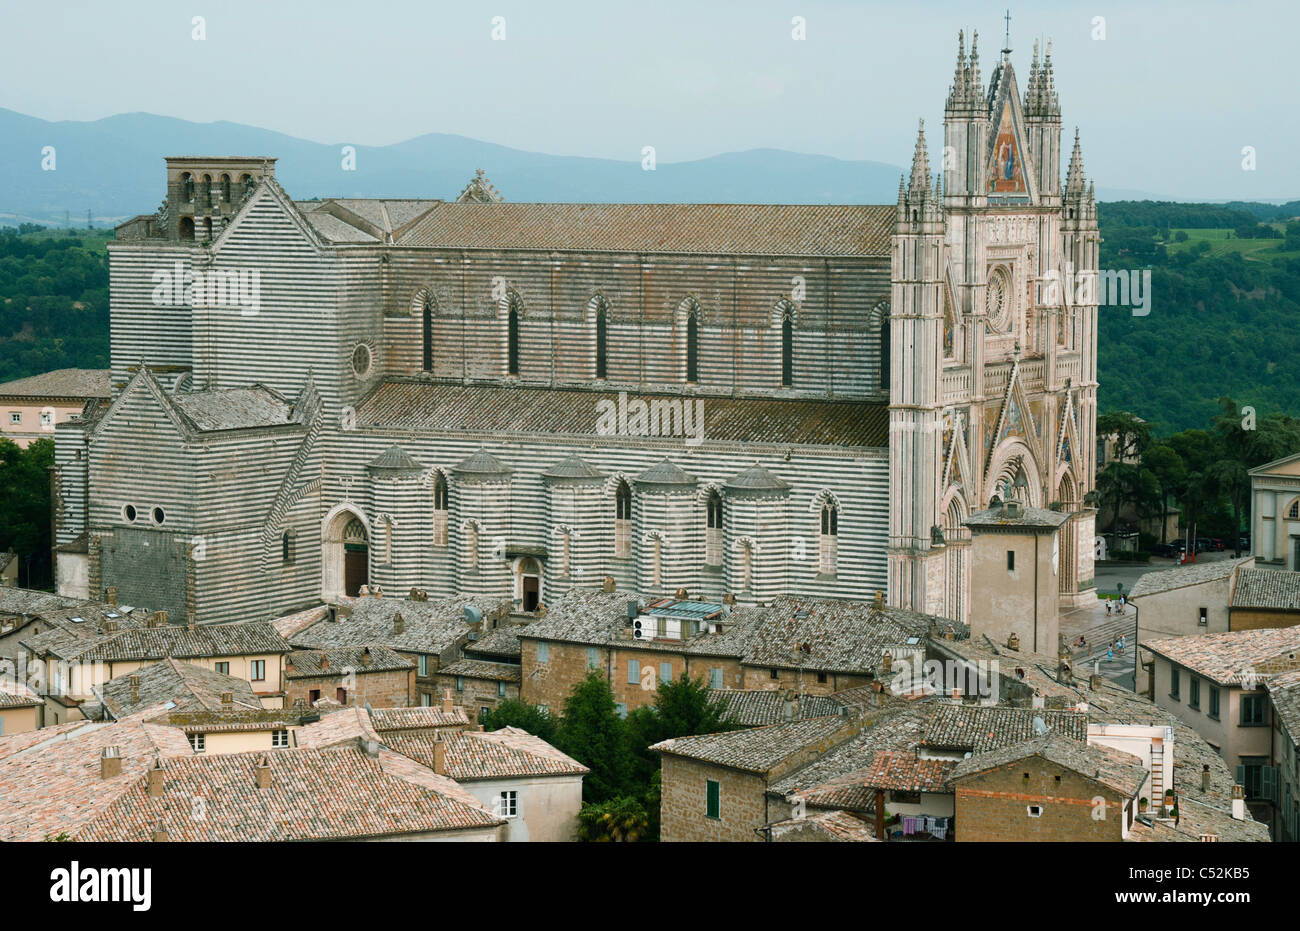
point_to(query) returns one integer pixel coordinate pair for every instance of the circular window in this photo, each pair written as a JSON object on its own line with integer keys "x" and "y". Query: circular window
{"x": 998, "y": 301}
{"x": 128, "y": 513}
{"x": 361, "y": 359}
{"x": 158, "y": 516}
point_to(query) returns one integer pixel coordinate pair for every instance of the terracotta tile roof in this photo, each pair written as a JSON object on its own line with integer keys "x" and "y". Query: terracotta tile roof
{"x": 409, "y": 719}
{"x": 1268, "y": 589}
{"x": 442, "y": 407}
{"x": 1111, "y": 704}
{"x": 430, "y": 627}
{"x": 1027, "y": 518}
{"x": 501, "y": 641}
{"x": 502, "y": 754}
{"x": 61, "y": 383}
{"x": 985, "y": 727}
{"x": 482, "y": 669}
{"x": 290, "y": 624}
{"x": 834, "y": 826}
{"x": 338, "y": 725}
{"x": 315, "y": 794}
{"x": 704, "y": 229}
{"x": 236, "y": 721}
{"x": 1119, "y": 771}
{"x": 901, "y": 771}
{"x": 758, "y": 749}
{"x": 154, "y": 643}
{"x": 1163, "y": 580}
{"x": 50, "y": 781}
{"x": 15, "y": 694}
{"x": 187, "y": 686}
{"x": 757, "y": 707}
{"x": 1284, "y": 692}
{"x": 1228, "y": 657}
{"x": 335, "y": 661}
{"x": 837, "y": 778}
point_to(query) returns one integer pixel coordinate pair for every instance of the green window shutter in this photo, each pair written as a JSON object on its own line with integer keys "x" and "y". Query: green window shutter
{"x": 1268, "y": 777}
{"x": 712, "y": 799}
{"x": 665, "y": 672}
{"x": 1239, "y": 774}
{"x": 593, "y": 659}
{"x": 715, "y": 677}
{"x": 543, "y": 652}
{"x": 501, "y": 689}
{"x": 633, "y": 671}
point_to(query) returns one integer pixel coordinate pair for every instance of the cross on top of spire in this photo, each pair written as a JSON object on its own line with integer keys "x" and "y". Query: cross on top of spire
{"x": 1006, "y": 45}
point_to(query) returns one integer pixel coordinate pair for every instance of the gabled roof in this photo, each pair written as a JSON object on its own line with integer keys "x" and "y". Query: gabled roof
{"x": 1152, "y": 583}
{"x": 427, "y": 626}
{"x": 1267, "y": 589}
{"x": 980, "y": 728}
{"x": 77, "y": 384}
{"x": 756, "y": 750}
{"x": 502, "y": 754}
{"x": 483, "y": 669}
{"x": 757, "y": 707}
{"x": 1229, "y": 657}
{"x": 15, "y": 694}
{"x": 339, "y": 661}
{"x": 900, "y": 771}
{"x": 155, "y": 643}
{"x": 185, "y": 686}
{"x": 414, "y": 719}
{"x": 1121, "y": 772}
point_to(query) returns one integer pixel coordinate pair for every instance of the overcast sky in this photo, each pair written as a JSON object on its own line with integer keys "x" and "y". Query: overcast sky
{"x": 1165, "y": 102}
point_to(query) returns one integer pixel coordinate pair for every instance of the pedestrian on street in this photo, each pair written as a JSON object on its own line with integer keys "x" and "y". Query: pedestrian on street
{"x": 1108, "y": 607}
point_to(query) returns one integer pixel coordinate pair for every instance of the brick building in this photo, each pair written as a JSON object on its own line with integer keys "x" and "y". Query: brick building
{"x": 375, "y": 675}
{"x": 479, "y": 684}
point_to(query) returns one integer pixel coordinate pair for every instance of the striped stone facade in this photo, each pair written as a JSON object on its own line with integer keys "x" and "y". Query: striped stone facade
{"x": 483, "y": 398}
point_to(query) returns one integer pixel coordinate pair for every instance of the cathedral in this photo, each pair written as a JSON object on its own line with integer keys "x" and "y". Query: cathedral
{"x": 478, "y": 397}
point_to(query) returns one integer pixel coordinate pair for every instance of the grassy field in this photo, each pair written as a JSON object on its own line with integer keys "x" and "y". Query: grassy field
{"x": 1224, "y": 241}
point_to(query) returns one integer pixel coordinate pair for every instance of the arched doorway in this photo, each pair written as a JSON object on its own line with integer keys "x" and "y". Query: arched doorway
{"x": 356, "y": 557}
{"x": 530, "y": 584}
{"x": 345, "y": 552}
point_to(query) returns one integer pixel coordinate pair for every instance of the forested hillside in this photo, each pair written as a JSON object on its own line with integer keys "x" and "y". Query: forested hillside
{"x": 1225, "y": 301}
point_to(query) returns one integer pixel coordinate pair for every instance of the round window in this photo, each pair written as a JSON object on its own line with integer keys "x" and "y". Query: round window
{"x": 361, "y": 359}
{"x": 128, "y": 513}
{"x": 999, "y": 301}
{"x": 158, "y": 516}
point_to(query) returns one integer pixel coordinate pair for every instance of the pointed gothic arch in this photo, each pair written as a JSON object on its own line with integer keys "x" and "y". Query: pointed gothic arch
{"x": 880, "y": 339}
{"x": 345, "y": 549}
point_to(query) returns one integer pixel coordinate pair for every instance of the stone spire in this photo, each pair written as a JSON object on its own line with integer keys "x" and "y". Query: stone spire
{"x": 1074, "y": 175}
{"x": 976, "y": 87}
{"x": 958, "y": 94}
{"x": 1049, "y": 102}
{"x": 920, "y": 163}
{"x": 1032, "y": 87}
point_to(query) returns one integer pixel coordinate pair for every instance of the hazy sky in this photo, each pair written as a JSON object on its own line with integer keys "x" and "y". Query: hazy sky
{"x": 1165, "y": 102}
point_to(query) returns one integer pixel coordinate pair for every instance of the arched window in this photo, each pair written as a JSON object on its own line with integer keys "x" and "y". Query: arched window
{"x": 286, "y": 547}
{"x": 206, "y": 191}
{"x": 512, "y": 340}
{"x": 787, "y": 350}
{"x": 187, "y": 187}
{"x": 1293, "y": 513}
{"x": 187, "y": 228}
{"x": 884, "y": 355}
{"x": 623, "y": 521}
{"x": 602, "y": 326}
{"x": 225, "y": 189}
{"x": 713, "y": 531}
{"x": 440, "y": 510}
{"x": 207, "y": 227}
{"x": 692, "y": 346}
{"x": 428, "y": 333}
{"x": 828, "y": 539}
{"x": 246, "y": 182}
{"x": 746, "y": 566}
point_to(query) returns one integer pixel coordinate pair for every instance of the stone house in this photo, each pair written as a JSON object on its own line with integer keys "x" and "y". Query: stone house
{"x": 376, "y": 676}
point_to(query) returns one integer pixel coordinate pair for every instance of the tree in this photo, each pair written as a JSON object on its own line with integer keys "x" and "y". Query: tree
{"x": 516, "y": 713}
{"x": 594, "y": 735}
{"x": 1169, "y": 472}
{"x": 618, "y": 820}
{"x": 25, "y": 506}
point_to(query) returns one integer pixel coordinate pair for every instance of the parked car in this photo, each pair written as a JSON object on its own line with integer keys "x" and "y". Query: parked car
{"x": 1203, "y": 544}
{"x": 1180, "y": 544}
{"x": 1167, "y": 550}
{"x": 1244, "y": 541}
{"x": 1216, "y": 544}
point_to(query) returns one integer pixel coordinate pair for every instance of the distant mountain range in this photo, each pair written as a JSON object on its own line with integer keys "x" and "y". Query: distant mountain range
{"x": 113, "y": 168}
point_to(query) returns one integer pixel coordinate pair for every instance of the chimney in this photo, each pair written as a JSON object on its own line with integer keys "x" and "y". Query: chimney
{"x": 365, "y": 654}
{"x": 1094, "y": 682}
{"x": 110, "y": 596}
{"x": 156, "y": 779}
{"x": 1205, "y": 777}
{"x": 608, "y": 585}
{"x": 447, "y": 706}
{"x": 886, "y": 664}
{"x": 160, "y": 834}
{"x": 110, "y": 626}
{"x": 1013, "y": 642}
{"x": 262, "y": 773}
{"x": 158, "y": 619}
{"x": 189, "y": 624}
{"x": 680, "y": 594}
{"x": 227, "y": 699}
{"x": 288, "y": 663}
{"x": 110, "y": 763}
{"x": 371, "y": 748}
{"x": 949, "y": 633}
{"x": 1238, "y": 803}
{"x": 332, "y": 614}
{"x": 439, "y": 756}
{"x": 399, "y": 623}
{"x": 729, "y": 599}
{"x": 134, "y": 683}
{"x": 324, "y": 661}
